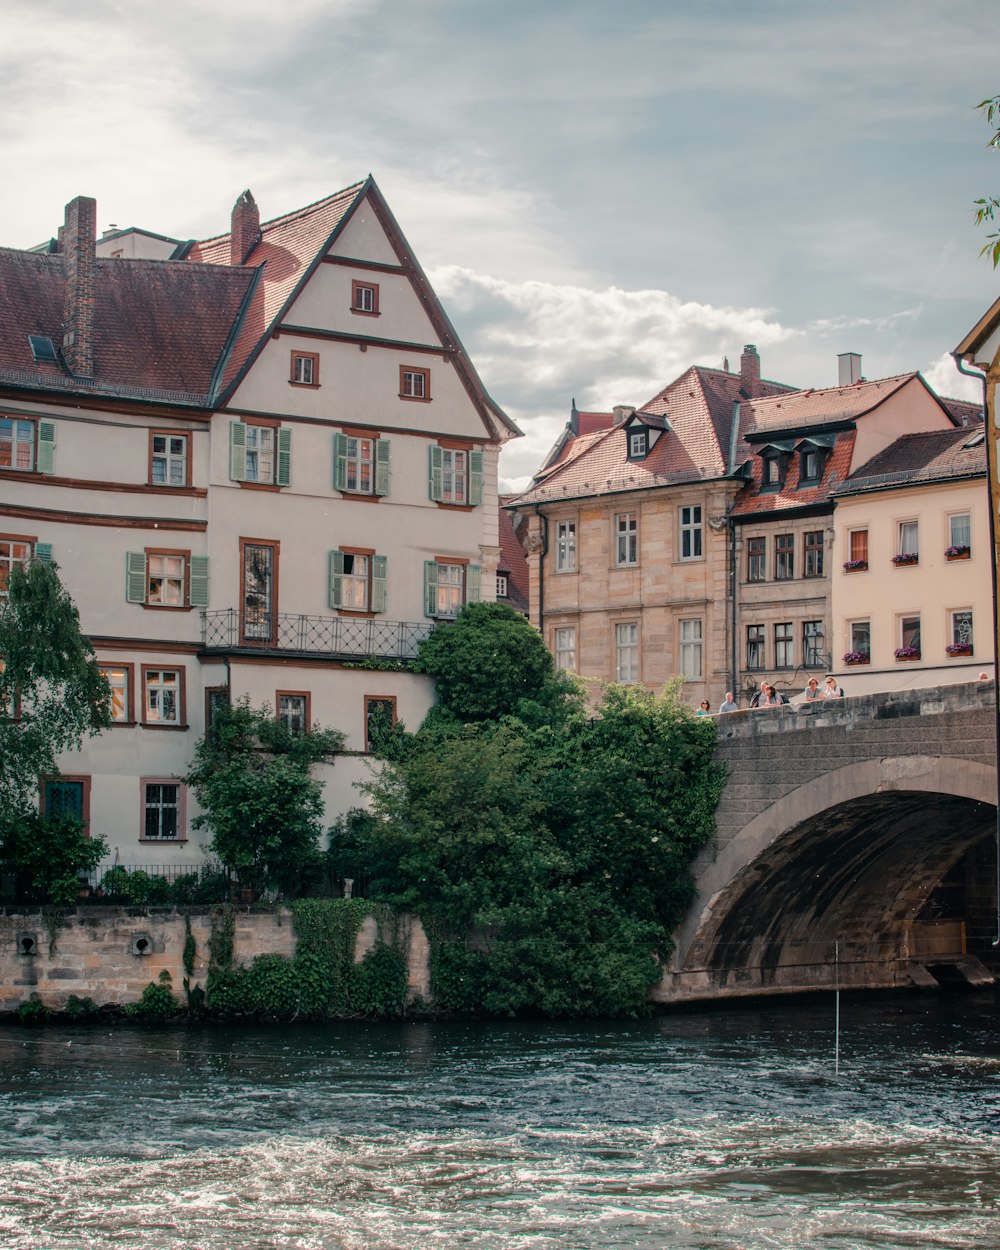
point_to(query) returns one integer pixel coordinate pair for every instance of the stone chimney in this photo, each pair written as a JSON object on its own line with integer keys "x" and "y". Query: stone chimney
{"x": 245, "y": 229}
{"x": 849, "y": 368}
{"x": 750, "y": 372}
{"x": 78, "y": 239}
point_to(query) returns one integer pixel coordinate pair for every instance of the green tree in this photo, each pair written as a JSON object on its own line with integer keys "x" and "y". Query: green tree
{"x": 52, "y": 696}
{"x": 551, "y": 861}
{"x": 988, "y": 208}
{"x": 252, "y": 777}
{"x": 489, "y": 662}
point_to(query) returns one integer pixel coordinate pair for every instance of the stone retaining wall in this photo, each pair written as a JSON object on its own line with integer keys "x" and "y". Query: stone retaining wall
{"x": 111, "y": 954}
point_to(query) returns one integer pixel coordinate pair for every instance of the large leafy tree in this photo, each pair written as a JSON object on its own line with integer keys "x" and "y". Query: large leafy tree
{"x": 551, "y": 860}
{"x": 252, "y": 777}
{"x": 50, "y": 686}
{"x": 52, "y": 696}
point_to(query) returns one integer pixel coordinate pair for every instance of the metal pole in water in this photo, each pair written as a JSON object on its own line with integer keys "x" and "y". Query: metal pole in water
{"x": 836, "y": 1010}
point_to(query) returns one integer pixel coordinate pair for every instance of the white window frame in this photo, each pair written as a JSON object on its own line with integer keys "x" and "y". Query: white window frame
{"x": 627, "y": 653}
{"x": 359, "y": 465}
{"x": 118, "y": 676}
{"x": 637, "y": 444}
{"x": 908, "y": 538}
{"x": 416, "y": 383}
{"x": 565, "y": 546}
{"x": 261, "y": 454}
{"x": 303, "y": 368}
{"x": 960, "y": 631}
{"x": 166, "y": 577}
{"x": 364, "y": 297}
{"x": 454, "y": 476}
{"x": 161, "y": 696}
{"x": 565, "y": 647}
{"x": 450, "y": 588}
{"x": 14, "y": 552}
{"x": 171, "y": 457}
{"x": 691, "y": 652}
{"x": 962, "y": 538}
{"x": 626, "y": 539}
{"x": 17, "y": 443}
{"x": 503, "y": 586}
{"x": 355, "y": 586}
{"x": 163, "y": 807}
{"x": 690, "y": 533}
{"x": 293, "y": 711}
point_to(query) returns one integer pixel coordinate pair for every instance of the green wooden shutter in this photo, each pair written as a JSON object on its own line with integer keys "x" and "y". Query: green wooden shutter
{"x": 199, "y": 581}
{"x": 382, "y": 466}
{"x": 380, "y": 583}
{"x": 135, "y": 577}
{"x": 430, "y": 587}
{"x": 435, "y": 472}
{"x": 472, "y": 580}
{"x": 46, "y": 460}
{"x": 475, "y": 477}
{"x": 43, "y": 552}
{"x": 336, "y": 578}
{"x": 283, "y": 474}
{"x": 237, "y": 451}
{"x": 340, "y": 462}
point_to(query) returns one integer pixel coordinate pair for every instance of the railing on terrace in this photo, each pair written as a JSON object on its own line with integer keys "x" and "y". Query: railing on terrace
{"x": 326, "y": 635}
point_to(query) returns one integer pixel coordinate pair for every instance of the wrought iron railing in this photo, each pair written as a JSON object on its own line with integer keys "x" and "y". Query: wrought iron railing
{"x": 326, "y": 635}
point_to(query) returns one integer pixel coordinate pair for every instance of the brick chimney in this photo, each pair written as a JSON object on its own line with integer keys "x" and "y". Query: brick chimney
{"x": 245, "y": 229}
{"x": 78, "y": 237}
{"x": 750, "y": 372}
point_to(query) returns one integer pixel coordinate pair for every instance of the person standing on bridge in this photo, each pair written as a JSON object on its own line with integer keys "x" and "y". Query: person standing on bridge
{"x": 831, "y": 690}
{"x": 729, "y": 704}
{"x": 812, "y": 689}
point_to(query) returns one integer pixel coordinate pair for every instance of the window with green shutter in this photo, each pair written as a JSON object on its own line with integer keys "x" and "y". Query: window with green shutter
{"x": 361, "y": 464}
{"x": 237, "y": 451}
{"x": 447, "y": 587}
{"x": 358, "y": 581}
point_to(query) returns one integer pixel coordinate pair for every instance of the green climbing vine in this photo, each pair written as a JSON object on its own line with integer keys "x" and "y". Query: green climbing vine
{"x": 321, "y": 981}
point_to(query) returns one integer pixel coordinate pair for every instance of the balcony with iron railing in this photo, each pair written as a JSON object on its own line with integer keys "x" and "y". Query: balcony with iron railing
{"x": 339, "y": 637}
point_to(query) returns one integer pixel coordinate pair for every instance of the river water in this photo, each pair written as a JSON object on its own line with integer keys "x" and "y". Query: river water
{"x": 698, "y": 1130}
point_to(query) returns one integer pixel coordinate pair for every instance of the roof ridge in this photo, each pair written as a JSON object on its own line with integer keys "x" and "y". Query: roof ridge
{"x": 293, "y": 213}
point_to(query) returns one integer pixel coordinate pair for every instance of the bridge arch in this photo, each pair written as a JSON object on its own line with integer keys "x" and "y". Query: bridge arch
{"x": 826, "y": 882}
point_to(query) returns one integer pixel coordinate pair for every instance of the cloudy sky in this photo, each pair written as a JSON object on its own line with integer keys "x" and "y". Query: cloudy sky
{"x": 602, "y": 192}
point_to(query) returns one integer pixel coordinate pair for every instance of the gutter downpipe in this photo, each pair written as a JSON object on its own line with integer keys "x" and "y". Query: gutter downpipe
{"x": 734, "y": 431}
{"x": 541, "y": 568}
{"x": 993, "y": 486}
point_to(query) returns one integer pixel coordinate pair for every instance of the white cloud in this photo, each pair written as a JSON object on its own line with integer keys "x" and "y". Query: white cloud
{"x": 944, "y": 379}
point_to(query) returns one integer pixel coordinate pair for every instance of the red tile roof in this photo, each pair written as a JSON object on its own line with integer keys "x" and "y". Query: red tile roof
{"x": 936, "y": 455}
{"x": 286, "y": 249}
{"x": 751, "y": 501}
{"x": 512, "y": 558}
{"x": 159, "y": 328}
{"x": 802, "y": 409}
{"x": 699, "y": 409}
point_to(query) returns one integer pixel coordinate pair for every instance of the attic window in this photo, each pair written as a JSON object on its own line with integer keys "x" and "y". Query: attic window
{"x": 772, "y": 471}
{"x": 42, "y": 349}
{"x": 638, "y": 443}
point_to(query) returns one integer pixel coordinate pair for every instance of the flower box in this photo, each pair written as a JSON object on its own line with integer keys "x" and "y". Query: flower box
{"x": 905, "y": 557}
{"x": 959, "y": 648}
{"x": 957, "y": 553}
{"x": 907, "y": 653}
{"x": 855, "y": 566}
{"x": 857, "y": 657}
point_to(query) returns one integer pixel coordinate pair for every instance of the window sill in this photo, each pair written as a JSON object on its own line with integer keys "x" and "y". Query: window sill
{"x": 357, "y": 614}
{"x": 166, "y": 842}
{"x": 365, "y": 312}
{"x": 306, "y": 386}
{"x": 366, "y": 496}
{"x": 455, "y": 507}
{"x": 168, "y": 607}
{"x": 416, "y": 399}
{"x": 152, "y": 724}
{"x": 259, "y": 486}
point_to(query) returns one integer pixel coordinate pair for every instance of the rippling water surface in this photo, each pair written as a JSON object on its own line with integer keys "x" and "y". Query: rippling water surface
{"x": 722, "y": 1129}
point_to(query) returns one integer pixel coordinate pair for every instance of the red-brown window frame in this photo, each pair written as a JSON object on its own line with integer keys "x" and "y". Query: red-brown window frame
{"x": 365, "y": 612}
{"x": 298, "y": 694}
{"x": 187, "y": 460}
{"x": 361, "y": 283}
{"x": 181, "y": 810}
{"x": 270, "y": 423}
{"x": 186, "y": 593}
{"x": 181, "y": 695}
{"x": 31, "y": 540}
{"x": 380, "y": 698}
{"x": 275, "y": 545}
{"x": 299, "y": 355}
{"x": 129, "y": 667}
{"x": 425, "y": 374}
{"x": 84, "y": 779}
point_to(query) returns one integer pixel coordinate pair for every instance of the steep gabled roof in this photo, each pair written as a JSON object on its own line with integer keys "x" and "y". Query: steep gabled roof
{"x": 159, "y": 328}
{"x": 696, "y": 446}
{"x": 752, "y": 501}
{"x": 932, "y": 456}
{"x": 513, "y": 561}
{"x": 831, "y": 406}
{"x": 287, "y": 252}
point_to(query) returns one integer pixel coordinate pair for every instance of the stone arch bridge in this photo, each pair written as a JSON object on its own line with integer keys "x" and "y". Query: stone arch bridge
{"x": 855, "y": 846}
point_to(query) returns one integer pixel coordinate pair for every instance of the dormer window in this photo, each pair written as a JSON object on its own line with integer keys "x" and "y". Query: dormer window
{"x": 772, "y": 471}
{"x": 638, "y": 443}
